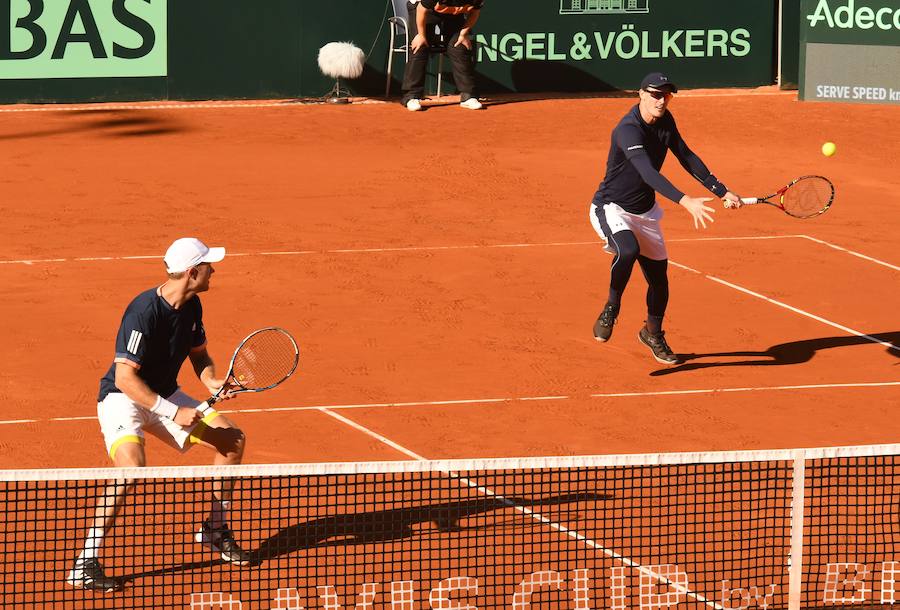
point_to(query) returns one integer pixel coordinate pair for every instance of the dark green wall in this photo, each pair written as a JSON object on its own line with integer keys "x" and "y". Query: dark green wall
{"x": 222, "y": 49}
{"x": 233, "y": 49}
{"x": 790, "y": 44}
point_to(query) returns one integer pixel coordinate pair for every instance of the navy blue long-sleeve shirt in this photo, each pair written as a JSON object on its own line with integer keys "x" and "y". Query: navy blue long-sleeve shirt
{"x": 636, "y": 154}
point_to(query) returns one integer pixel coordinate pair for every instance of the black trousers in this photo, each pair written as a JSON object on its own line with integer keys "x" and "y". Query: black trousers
{"x": 462, "y": 59}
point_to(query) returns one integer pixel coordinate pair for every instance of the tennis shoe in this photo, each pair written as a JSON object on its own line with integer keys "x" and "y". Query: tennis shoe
{"x": 472, "y": 104}
{"x": 88, "y": 574}
{"x": 657, "y": 344}
{"x": 414, "y": 105}
{"x": 222, "y": 541}
{"x": 603, "y": 327}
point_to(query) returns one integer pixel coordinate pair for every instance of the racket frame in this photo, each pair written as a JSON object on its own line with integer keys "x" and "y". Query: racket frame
{"x": 241, "y": 388}
{"x": 780, "y": 194}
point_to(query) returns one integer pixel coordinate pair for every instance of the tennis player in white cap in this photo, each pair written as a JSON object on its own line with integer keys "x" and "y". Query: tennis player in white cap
{"x": 161, "y": 328}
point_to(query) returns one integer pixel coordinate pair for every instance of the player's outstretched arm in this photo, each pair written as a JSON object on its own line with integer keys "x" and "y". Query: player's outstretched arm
{"x": 695, "y": 166}
{"x": 698, "y": 209}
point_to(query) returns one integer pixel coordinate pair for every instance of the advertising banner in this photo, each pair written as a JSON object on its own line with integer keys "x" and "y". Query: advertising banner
{"x": 589, "y": 45}
{"x": 51, "y": 39}
{"x": 850, "y": 51}
{"x": 96, "y": 50}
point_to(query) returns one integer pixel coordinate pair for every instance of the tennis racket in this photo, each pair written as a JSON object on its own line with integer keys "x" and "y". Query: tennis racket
{"x": 805, "y": 197}
{"x": 263, "y": 360}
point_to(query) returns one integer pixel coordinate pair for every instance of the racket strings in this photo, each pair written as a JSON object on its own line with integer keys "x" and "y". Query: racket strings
{"x": 265, "y": 359}
{"x": 808, "y": 197}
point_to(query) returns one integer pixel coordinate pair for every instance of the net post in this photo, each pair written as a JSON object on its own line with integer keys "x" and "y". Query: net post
{"x": 798, "y": 501}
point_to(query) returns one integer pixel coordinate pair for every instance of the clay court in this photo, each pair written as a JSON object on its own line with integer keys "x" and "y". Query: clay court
{"x": 441, "y": 276}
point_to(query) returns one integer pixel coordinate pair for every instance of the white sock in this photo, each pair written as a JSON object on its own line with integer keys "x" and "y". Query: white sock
{"x": 92, "y": 544}
{"x": 218, "y": 515}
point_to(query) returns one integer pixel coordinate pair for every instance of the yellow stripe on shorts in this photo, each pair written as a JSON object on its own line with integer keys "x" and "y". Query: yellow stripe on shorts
{"x": 131, "y": 438}
{"x": 197, "y": 433}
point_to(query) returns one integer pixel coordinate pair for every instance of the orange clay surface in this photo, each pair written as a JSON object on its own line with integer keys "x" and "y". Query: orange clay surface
{"x": 447, "y": 256}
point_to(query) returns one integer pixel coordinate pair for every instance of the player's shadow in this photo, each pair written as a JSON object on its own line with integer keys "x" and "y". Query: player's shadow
{"x": 386, "y": 526}
{"x": 400, "y": 523}
{"x": 105, "y": 123}
{"x": 795, "y": 352}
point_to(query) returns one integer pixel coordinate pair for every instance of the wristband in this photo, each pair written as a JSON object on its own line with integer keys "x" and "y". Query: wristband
{"x": 714, "y": 186}
{"x": 164, "y": 407}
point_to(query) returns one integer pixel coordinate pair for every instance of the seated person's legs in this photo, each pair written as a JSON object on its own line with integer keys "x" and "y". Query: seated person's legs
{"x": 417, "y": 63}
{"x": 463, "y": 63}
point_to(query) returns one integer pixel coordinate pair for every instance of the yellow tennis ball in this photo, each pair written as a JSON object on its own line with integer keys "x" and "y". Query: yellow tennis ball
{"x": 828, "y": 149}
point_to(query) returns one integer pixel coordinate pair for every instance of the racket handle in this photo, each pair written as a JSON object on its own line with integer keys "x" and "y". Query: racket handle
{"x": 750, "y": 200}
{"x": 212, "y": 400}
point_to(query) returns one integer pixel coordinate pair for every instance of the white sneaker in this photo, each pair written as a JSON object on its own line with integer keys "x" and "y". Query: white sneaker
{"x": 88, "y": 574}
{"x": 222, "y": 541}
{"x": 414, "y": 105}
{"x": 472, "y": 104}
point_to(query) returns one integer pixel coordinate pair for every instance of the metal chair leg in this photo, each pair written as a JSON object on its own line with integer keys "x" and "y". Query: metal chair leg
{"x": 387, "y": 85}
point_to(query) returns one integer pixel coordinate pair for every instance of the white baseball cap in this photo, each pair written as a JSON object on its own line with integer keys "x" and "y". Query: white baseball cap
{"x": 189, "y": 252}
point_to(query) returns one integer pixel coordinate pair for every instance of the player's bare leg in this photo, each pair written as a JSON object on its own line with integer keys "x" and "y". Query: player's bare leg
{"x": 228, "y": 443}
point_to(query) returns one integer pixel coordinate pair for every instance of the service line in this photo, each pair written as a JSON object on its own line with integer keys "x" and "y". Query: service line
{"x": 80, "y": 259}
{"x": 510, "y": 399}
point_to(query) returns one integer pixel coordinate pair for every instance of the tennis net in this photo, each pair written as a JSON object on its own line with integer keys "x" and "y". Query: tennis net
{"x": 726, "y": 530}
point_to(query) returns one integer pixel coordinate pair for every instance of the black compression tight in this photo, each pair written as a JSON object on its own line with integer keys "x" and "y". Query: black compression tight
{"x": 655, "y": 272}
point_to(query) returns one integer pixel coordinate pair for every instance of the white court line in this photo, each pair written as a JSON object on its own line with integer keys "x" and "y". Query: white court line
{"x": 35, "y": 261}
{"x": 745, "y": 238}
{"x": 802, "y": 312}
{"x": 101, "y": 107}
{"x": 527, "y": 511}
{"x": 488, "y": 401}
{"x": 460, "y": 247}
{"x": 373, "y": 434}
{"x": 851, "y": 252}
{"x": 371, "y": 250}
{"x": 685, "y": 267}
{"x": 818, "y": 386}
{"x": 846, "y": 329}
{"x": 311, "y": 101}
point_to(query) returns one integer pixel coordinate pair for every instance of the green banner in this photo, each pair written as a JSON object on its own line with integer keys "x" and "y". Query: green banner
{"x": 590, "y": 45}
{"x": 869, "y": 22}
{"x": 42, "y": 39}
{"x": 850, "y": 51}
{"x": 92, "y": 50}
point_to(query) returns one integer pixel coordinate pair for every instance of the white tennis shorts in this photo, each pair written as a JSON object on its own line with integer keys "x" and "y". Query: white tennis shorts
{"x": 121, "y": 421}
{"x": 646, "y": 227}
